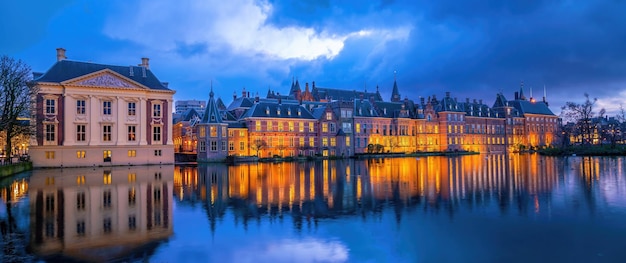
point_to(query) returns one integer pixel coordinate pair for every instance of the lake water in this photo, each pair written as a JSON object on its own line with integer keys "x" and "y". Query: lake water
{"x": 479, "y": 208}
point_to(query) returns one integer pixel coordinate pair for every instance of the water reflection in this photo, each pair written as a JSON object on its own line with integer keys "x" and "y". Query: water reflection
{"x": 401, "y": 209}
{"x": 99, "y": 214}
{"x": 345, "y": 187}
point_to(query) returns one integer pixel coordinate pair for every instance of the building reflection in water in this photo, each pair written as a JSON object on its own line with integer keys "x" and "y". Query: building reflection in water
{"x": 99, "y": 214}
{"x": 330, "y": 188}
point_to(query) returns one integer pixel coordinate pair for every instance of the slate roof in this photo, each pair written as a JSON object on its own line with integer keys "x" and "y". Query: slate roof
{"x": 259, "y": 110}
{"x": 345, "y": 95}
{"x": 527, "y": 107}
{"x": 211, "y": 113}
{"x": 241, "y": 102}
{"x": 364, "y": 108}
{"x": 68, "y": 69}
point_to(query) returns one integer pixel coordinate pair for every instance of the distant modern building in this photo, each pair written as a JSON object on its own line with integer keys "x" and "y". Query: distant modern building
{"x": 182, "y": 108}
{"x": 90, "y": 114}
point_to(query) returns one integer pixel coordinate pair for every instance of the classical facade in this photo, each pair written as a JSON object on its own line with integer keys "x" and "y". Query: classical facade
{"x": 331, "y": 122}
{"x": 90, "y": 114}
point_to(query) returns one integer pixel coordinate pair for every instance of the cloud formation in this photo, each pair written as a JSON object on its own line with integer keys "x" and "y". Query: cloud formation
{"x": 241, "y": 25}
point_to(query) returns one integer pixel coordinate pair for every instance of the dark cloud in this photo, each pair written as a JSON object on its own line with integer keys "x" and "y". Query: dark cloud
{"x": 478, "y": 48}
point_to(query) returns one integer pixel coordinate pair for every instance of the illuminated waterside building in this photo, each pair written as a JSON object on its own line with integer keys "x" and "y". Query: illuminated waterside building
{"x": 90, "y": 114}
{"x": 332, "y": 122}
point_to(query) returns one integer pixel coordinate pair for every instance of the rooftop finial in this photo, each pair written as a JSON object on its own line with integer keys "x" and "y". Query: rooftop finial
{"x": 211, "y": 93}
{"x": 394, "y": 75}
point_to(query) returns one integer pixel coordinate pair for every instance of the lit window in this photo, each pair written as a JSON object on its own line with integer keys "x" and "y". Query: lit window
{"x": 348, "y": 141}
{"x": 80, "y": 154}
{"x": 329, "y": 115}
{"x": 49, "y": 154}
{"x": 106, "y": 154}
{"x": 132, "y": 153}
{"x": 213, "y": 131}
{"x": 132, "y": 133}
{"x": 242, "y": 146}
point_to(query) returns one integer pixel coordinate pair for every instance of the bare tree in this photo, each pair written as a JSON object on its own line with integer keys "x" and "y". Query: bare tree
{"x": 16, "y": 98}
{"x": 257, "y": 145}
{"x": 582, "y": 116}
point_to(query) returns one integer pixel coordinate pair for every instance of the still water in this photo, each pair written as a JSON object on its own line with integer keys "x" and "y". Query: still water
{"x": 480, "y": 208}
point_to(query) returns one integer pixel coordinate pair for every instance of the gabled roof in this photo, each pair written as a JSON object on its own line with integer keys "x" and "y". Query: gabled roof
{"x": 528, "y": 107}
{"x": 270, "y": 110}
{"x": 318, "y": 112}
{"x": 67, "y": 69}
{"x": 241, "y": 102}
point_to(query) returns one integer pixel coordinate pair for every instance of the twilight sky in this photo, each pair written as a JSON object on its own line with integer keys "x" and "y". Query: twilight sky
{"x": 472, "y": 48}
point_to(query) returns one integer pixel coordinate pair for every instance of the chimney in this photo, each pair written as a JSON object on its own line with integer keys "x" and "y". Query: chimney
{"x": 61, "y": 54}
{"x": 467, "y": 100}
{"x": 474, "y": 101}
{"x": 422, "y": 100}
{"x": 145, "y": 62}
{"x": 243, "y": 92}
{"x": 480, "y": 101}
{"x": 313, "y": 85}
{"x": 234, "y": 95}
{"x": 279, "y": 99}
{"x": 447, "y": 94}
{"x": 516, "y": 95}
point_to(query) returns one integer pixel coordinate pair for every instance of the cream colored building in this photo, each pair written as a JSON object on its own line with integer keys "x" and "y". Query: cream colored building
{"x": 90, "y": 114}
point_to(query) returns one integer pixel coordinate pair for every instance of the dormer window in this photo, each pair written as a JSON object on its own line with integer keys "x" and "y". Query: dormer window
{"x": 267, "y": 110}
{"x": 299, "y": 112}
{"x": 278, "y": 111}
{"x": 360, "y": 111}
{"x": 289, "y": 111}
{"x": 385, "y": 111}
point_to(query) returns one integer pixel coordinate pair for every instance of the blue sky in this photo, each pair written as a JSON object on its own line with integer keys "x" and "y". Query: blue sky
{"x": 472, "y": 48}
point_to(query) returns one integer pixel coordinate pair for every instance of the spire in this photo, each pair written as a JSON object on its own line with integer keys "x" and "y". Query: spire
{"x": 395, "y": 94}
{"x": 211, "y": 93}
{"x": 544, "y": 95}
{"x": 211, "y": 113}
{"x": 521, "y": 91}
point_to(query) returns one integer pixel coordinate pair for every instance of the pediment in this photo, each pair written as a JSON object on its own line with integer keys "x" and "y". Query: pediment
{"x": 105, "y": 78}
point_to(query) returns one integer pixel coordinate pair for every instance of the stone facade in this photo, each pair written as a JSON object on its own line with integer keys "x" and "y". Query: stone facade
{"x": 91, "y": 114}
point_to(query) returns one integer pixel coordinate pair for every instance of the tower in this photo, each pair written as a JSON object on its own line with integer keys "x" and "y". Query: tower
{"x": 212, "y": 134}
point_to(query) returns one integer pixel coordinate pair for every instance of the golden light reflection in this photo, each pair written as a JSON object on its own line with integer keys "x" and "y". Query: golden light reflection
{"x": 288, "y": 187}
